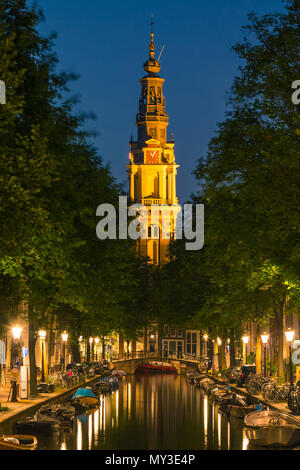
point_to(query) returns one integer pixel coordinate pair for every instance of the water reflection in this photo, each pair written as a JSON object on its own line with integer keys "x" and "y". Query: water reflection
{"x": 152, "y": 412}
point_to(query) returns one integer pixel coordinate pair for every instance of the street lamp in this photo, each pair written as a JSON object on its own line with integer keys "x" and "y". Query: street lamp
{"x": 16, "y": 331}
{"x": 264, "y": 339}
{"x": 42, "y": 335}
{"x": 289, "y": 337}
{"x": 64, "y": 337}
{"x": 245, "y": 342}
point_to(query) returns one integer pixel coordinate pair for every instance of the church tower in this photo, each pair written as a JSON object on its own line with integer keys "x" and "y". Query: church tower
{"x": 152, "y": 169}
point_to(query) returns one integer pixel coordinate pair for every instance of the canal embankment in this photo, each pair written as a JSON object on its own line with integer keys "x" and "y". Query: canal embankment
{"x": 23, "y": 406}
{"x": 282, "y": 406}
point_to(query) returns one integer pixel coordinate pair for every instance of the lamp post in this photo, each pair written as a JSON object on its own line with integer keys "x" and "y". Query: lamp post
{"x": 97, "y": 340}
{"x": 42, "y": 335}
{"x": 245, "y": 342}
{"x": 289, "y": 337}
{"x": 16, "y": 332}
{"x": 264, "y": 339}
{"x": 64, "y": 337}
{"x": 91, "y": 340}
{"x": 205, "y": 338}
{"x": 219, "y": 341}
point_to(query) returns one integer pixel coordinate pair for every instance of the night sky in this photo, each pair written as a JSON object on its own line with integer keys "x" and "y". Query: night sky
{"x": 106, "y": 43}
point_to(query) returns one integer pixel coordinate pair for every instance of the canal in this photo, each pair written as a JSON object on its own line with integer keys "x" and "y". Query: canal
{"x": 150, "y": 412}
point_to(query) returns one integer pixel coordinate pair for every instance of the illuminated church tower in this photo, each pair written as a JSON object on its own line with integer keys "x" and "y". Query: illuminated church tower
{"x": 152, "y": 169}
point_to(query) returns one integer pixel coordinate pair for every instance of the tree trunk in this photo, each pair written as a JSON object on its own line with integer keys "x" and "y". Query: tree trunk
{"x": 222, "y": 357}
{"x": 121, "y": 346}
{"x": 32, "y": 337}
{"x": 279, "y": 334}
{"x": 88, "y": 351}
{"x": 231, "y": 348}
{"x": 103, "y": 348}
{"x": 75, "y": 351}
{"x": 133, "y": 347}
{"x": 258, "y": 351}
{"x": 145, "y": 339}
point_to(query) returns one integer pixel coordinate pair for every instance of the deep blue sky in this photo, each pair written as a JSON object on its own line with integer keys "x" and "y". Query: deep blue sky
{"x": 106, "y": 44}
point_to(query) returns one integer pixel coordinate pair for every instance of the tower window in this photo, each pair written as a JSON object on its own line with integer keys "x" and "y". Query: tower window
{"x": 152, "y": 95}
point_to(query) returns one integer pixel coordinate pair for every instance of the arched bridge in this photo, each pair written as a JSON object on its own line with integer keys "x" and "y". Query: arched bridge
{"x": 129, "y": 362}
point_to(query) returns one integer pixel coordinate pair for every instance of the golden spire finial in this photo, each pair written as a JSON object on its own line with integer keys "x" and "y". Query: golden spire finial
{"x": 151, "y": 45}
{"x": 152, "y": 65}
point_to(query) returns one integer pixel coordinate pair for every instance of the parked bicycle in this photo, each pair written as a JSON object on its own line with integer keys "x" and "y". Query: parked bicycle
{"x": 255, "y": 382}
{"x": 273, "y": 392}
{"x": 293, "y": 400}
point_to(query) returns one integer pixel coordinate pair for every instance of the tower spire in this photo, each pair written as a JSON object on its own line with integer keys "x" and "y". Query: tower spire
{"x": 152, "y": 66}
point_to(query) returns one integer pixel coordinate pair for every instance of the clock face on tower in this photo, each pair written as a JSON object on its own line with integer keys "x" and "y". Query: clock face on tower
{"x": 152, "y": 156}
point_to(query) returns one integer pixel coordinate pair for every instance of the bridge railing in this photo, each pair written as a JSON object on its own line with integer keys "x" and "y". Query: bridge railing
{"x": 156, "y": 354}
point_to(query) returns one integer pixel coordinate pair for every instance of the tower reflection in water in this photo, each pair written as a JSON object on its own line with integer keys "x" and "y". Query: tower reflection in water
{"x": 154, "y": 412}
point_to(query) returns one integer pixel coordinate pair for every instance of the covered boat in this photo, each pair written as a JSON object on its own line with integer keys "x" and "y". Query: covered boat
{"x": 18, "y": 442}
{"x": 217, "y": 393}
{"x": 86, "y": 397}
{"x": 113, "y": 382}
{"x": 61, "y": 411}
{"x": 272, "y": 428}
{"x": 101, "y": 387}
{"x": 207, "y": 384}
{"x": 156, "y": 367}
{"x": 119, "y": 374}
{"x": 38, "y": 424}
{"x": 236, "y": 406}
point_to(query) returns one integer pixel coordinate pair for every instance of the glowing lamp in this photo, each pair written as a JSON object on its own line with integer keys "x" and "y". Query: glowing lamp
{"x": 245, "y": 339}
{"x": 64, "y": 336}
{"x": 289, "y": 335}
{"x": 264, "y": 338}
{"x": 16, "y": 331}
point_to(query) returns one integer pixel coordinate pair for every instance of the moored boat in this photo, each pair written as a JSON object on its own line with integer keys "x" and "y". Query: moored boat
{"x": 272, "y": 428}
{"x": 18, "y": 442}
{"x": 217, "y": 393}
{"x": 236, "y": 406}
{"x": 37, "y": 424}
{"x": 207, "y": 384}
{"x": 119, "y": 374}
{"x": 85, "y": 396}
{"x": 156, "y": 367}
{"x": 62, "y": 411}
{"x": 101, "y": 387}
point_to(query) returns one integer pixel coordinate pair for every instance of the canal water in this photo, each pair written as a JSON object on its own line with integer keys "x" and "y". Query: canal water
{"x": 150, "y": 412}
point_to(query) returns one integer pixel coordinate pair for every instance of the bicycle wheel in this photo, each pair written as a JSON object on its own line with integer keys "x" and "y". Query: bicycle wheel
{"x": 253, "y": 387}
{"x": 292, "y": 401}
{"x": 270, "y": 393}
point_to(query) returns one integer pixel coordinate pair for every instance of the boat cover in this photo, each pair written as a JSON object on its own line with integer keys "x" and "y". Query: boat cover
{"x": 84, "y": 392}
